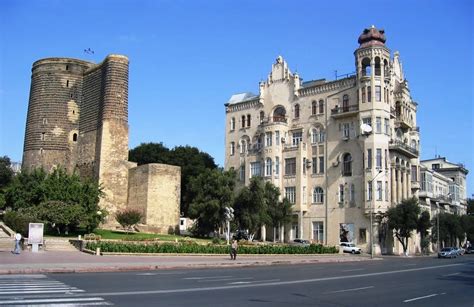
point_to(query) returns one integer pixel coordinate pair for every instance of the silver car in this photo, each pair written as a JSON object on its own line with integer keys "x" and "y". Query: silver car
{"x": 448, "y": 252}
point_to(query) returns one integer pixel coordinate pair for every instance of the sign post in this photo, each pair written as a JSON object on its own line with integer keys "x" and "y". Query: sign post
{"x": 35, "y": 235}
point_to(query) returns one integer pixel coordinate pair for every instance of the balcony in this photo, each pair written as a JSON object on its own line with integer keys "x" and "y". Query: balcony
{"x": 405, "y": 149}
{"x": 415, "y": 185}
{"x": 344, "y": 111}
{"x": 403, "y": 121}
{"x": 274, "y": 120}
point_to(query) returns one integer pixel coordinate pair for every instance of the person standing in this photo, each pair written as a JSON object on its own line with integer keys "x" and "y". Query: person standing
{"x": 233, "y": 250}
{"x": 17, "y": 243}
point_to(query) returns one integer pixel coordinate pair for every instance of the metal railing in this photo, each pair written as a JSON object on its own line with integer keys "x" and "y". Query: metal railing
{"x": 407, "y": 147}
{"x": 344, "y": 109}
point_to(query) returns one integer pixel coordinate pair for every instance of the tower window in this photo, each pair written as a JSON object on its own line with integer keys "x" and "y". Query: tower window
{"x": 43, "y": 136}
{"x": 313, "y": 108}
{"x": 248, "y": 120}
{"x": 347, "y": 165}
{"x": 377, "y": 66}
{"x": 321, "y": 106}
{"x": 366, "y": 68}
{"x": 297, "y": 111}
{"x": 67, "y": 67}
{"x": 74, "y": 137}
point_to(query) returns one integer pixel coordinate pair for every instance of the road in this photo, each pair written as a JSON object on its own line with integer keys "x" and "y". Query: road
{"x": 392, "y": 281}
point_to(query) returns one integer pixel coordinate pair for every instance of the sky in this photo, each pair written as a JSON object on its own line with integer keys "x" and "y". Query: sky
{"x": 188, "y": 57}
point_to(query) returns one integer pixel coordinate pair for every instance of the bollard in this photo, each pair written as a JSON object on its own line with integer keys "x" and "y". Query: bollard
{"x": 97, "y": 251}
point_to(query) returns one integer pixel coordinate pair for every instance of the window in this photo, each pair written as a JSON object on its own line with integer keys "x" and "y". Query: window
{"x": 321, "y": 165}
{"x": 386, "y": 190}
{"x": 297, "y": 138}
{"x": 386, "y": 159}
{"x": 232, "y": 148}
{"x": 262, "y": 116}
{"x": 74, "y": 137}
{"x": 378, "y": 125}
{"x": 290, "y": 167}
{"x": 297, "y": 110}
{"x": 67, "y": 67}
{"x": 321, "y": 106}
{"x": 318, "y": 232}
{"x": 352, "y": 193}
{"x": 304, "y": 195}
{"x": 255, "y": 169}
{"x": 346, "y": 130}
{"x": 347, "y": 165}
{"x": 378, "y": 93}
{"x": 414, "y": 173}
{"x": 45, "y": 121}
{"x": 369, "y": 191}
{"x": 369, "y": 158}
{"x": 345, "y": 103}
{"x": 243, "y": 121}
{"x": 67, "y": 83}
{"x": 277, "y": 166}
{"x": 268, "y": 139}
{"x": 377, "y": 66}
{"x": 378, "y": 158}
{"x": 314, "y": 136}
{"x": 314, "y": 108}
{"x": 322, "y": 136}
{"x": 367, "y": 121}
{"x": 242, "y": 172}
{"x": 362, "y": 235}
{"x": 243, "y": 146}
{"x": 363, "y": 94}
{"x": 435, "y": 166}
{"x": 248, "y": 120}
{"x": 277, "y": 138}
{"x": 43, "y": 136}
{"x": 369, "y": 94}
{"x": 379, "y": 190}
{"x": 232, "y": 124}
{"x": 387, "y": 126}
{"x": 314, "y": 165}
{"x": 366, "y": 68}
{"x": 341, "y": 193}
{"x": 290, "y": 194}
{"x": 268, "y": 167}
{"x": 318, "y": 195}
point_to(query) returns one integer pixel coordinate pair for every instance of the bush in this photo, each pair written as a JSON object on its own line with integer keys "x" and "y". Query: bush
{"x": 128, "y": 218}
{"x": 18, "y": 221}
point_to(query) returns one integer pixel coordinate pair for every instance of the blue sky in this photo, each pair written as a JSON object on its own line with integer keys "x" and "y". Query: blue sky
{"x": 188, "y": 57}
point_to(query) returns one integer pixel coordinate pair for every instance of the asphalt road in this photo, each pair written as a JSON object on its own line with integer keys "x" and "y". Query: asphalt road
{"x": 393, "y": 281}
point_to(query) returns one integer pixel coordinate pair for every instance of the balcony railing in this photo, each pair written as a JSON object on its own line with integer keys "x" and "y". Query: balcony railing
{"x": 341, "y": 111}
{"x": 404, "y": 148}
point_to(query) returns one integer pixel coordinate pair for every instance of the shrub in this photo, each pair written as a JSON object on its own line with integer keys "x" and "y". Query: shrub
{"x": 18, "y": 221}
{"x": 128, "y": 218}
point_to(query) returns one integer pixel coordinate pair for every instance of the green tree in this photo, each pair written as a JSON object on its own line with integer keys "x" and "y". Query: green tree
{"x": 6, "y": 173}
{"x": 467, "y": 222}
{"x": 403, "y": 219}
{"x": 251, "y": 207}
{"x": 213, "y": 190}
{"x": 423, "y": 225}
{"x": 59, "y": 215}
{"x": 128, "y": 218}
{"x": 279, "y": 212}
{"x": 450, "y": 229}
{"x": 191, "y": 160}
{"x": 470, "y": 206}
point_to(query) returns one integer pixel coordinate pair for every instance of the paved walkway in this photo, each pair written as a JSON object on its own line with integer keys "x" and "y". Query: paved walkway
{"x": 55, "y": 261}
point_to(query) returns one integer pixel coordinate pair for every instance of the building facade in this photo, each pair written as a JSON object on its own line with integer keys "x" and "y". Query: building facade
{"x": 341, "y": 151}
{"x": 78, "y": 119}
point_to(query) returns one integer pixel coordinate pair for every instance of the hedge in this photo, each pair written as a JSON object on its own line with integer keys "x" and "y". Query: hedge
{"x": 190, "y": 248}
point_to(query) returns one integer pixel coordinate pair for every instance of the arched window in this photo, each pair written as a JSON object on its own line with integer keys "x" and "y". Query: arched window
{"x": 232, "y": 123}
{"x": 321, "y": 106}
{"x": 318, "y": 195}
{"x": 347, "y": 165}
{"x": 243, "y": 121}
{"x": 279, "y": 115}
{"x": 341, "y": 193}
{"x": 248, "y": 120}
{"x": 413, "y": 144}
{"x": 386, "y": 68}
{"x": 277, "y": 166}
{"x": 243, "y": 146}
{"x": 297, "y": 110}
{"x": 232, "y": 148}
{"x": 366, "y": 68}
{"x": 74, "y": 137}
{"x": 262, "y": 116}
{"x": 268, "y": 167}
{"x": 377, "y": 66}
{"x": 345, "y": 103}
{"x": 314, "y": 136}
{"x": 314, "y": 108}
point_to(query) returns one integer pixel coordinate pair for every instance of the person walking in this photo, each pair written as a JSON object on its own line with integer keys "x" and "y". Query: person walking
{"x": 233, "y": 250}
{"x": 17, "y": 243}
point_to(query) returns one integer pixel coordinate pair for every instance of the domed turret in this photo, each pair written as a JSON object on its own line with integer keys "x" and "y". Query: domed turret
{"x": 372, "y": 37}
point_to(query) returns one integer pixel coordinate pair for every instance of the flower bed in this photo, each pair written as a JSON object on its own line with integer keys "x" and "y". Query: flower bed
{"x": 193, "y": 248}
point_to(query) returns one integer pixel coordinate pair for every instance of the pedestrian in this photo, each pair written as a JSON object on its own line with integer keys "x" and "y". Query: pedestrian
{"x": 17, "y": 243}
{"x": 233, "y": 250}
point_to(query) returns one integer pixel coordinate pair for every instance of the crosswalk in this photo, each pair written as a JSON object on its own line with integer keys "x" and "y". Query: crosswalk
{"x": 40, "y": 290}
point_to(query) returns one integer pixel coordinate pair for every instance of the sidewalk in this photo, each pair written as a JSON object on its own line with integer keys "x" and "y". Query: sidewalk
{"x": 76, "y": 262}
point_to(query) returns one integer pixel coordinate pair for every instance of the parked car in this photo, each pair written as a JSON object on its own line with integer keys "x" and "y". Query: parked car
{"x": 460, "y": 251}
{"x": 448, "y": 252}
{"x": 300, "y": 242}
{"x": 350, "y": 248}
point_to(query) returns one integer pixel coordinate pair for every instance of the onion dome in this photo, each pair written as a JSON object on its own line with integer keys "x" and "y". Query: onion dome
{"x": 372, "y": 37}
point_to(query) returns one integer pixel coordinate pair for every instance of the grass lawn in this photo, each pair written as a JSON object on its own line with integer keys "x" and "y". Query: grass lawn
{"x": 119, "y": 235}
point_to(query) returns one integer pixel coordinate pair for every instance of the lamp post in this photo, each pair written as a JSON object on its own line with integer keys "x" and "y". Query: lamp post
{"x": 229, "y": 216}
{"x": 371, "y": 217}
{"x": 437, "y": 227}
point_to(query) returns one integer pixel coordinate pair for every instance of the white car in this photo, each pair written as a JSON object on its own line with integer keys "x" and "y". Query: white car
{"x": 350, "y": 248}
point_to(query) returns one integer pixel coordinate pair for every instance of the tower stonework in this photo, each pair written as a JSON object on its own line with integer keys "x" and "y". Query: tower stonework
{"x": 78, "y": 119}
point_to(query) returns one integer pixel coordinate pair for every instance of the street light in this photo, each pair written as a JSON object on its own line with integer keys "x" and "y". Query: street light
{"x": 229, "y": 216}
{"x": 371, "y": 217}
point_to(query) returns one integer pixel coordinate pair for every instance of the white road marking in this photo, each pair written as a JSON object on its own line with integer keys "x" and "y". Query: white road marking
{"x": 420, "y": 298}
{"x": 75, "y": 304}
{"x": 52, "y": 300}
{"x": 353, "y": 270}
{"x": 207, "y": 277}
{"x": 152, "y": 274}
{"x": 19, "y": 276}
{"x": 451, "y": 274}
{"x": 276, "y": 283}
{"x": 255, "y": 281}
{"x": 223, "y": 279}
{"x": 353, "y": 289}
{"x": 240, "y": 282}
{"x": 39, "y": 291}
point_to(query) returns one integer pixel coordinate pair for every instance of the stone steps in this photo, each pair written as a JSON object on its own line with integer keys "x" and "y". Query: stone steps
{"x": 58, "y": 244}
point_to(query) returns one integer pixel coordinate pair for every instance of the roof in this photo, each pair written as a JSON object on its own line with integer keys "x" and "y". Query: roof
{"x": 237, "y": 98}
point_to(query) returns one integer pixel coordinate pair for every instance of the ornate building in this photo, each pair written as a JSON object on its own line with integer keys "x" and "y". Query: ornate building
{"x": 78, "y": 119}
{"x": 339, "y": 150}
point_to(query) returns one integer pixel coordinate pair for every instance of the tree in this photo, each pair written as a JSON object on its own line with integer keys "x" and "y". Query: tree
{"x": 423, "y": 225}
{"x": 128, "y": 218}
{"x": 403, "y": 219}
{"x": 213, "y": 191}
{"x": 6, "y": 173}
{"x": 59, "y": 215}
{"x": 450, "y": 229}
{"x": 470, "y": 206}
{"x": 279, "y": 212}
{"x": 191, "y": 160}
{"x": 467, "y": 222}
{"x": 251, "y": 207}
